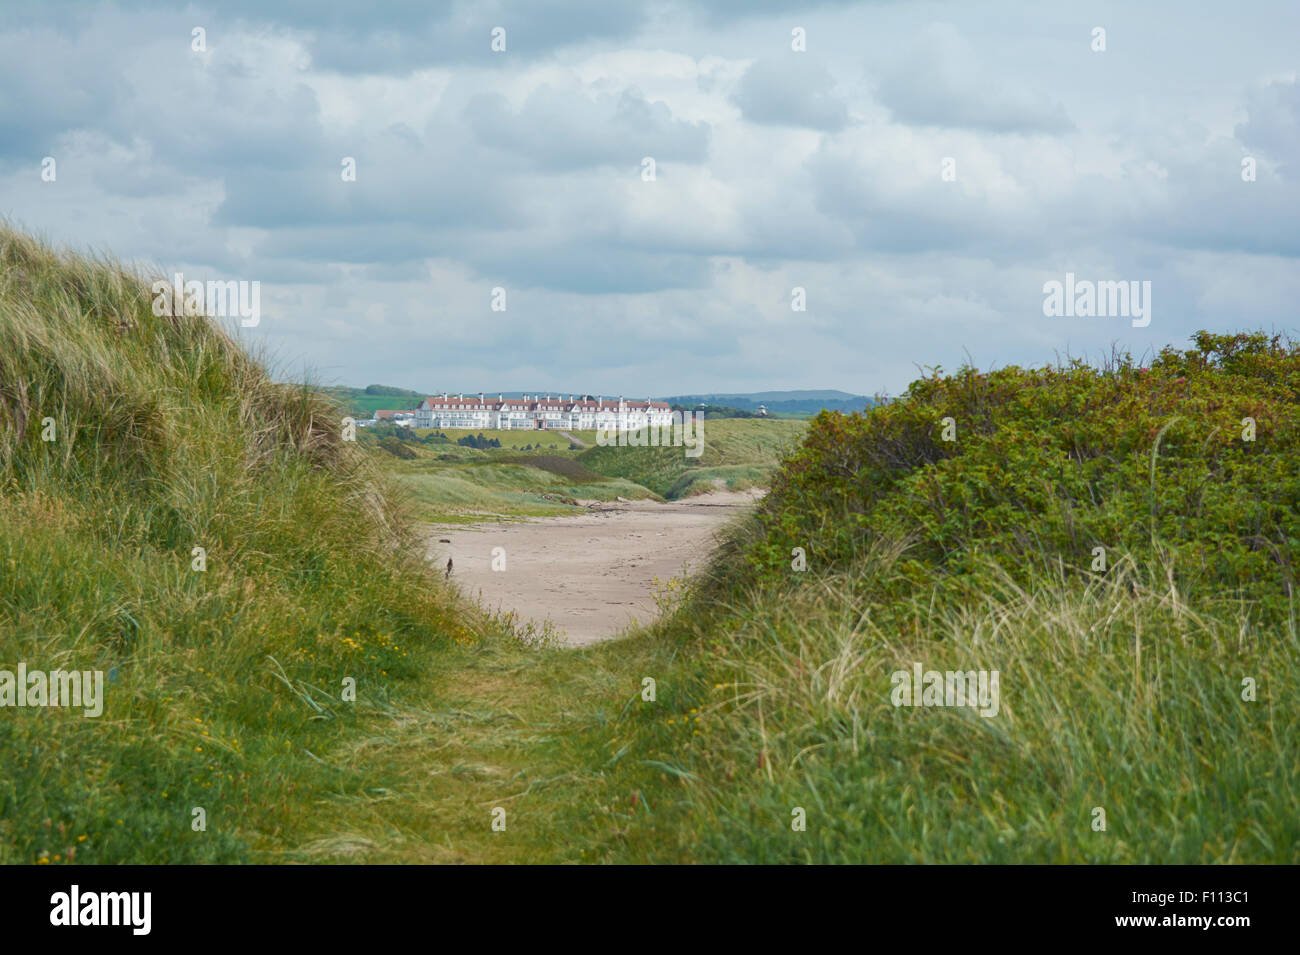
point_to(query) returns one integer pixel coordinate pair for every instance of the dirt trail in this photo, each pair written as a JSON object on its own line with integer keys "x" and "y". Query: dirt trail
{"x": 591, "y": 575}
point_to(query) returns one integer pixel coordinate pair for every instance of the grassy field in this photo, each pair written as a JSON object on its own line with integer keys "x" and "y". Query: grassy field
{"x": 548, "y": 442}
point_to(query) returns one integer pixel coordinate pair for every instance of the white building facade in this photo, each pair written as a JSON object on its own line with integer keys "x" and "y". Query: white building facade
{"x": 540, "y": 413}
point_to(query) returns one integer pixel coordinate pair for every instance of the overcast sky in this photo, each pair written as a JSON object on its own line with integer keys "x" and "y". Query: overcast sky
{"x": 774, "y": 169}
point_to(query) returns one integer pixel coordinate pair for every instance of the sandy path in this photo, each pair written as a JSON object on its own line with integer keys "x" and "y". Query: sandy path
{"x": 591, "y": 574}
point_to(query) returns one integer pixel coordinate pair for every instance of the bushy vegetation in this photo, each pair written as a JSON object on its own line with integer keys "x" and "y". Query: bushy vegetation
{"x": 1192, "y": 463}
{"x": 478, "y": 441}
{"x": 128, "y": 440}
{"x": 1157, "y": 686}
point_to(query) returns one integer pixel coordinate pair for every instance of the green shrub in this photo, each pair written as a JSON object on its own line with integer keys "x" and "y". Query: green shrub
{"x": 1050, "y": 464}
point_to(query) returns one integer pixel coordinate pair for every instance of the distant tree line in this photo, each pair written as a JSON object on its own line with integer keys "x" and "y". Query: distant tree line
{"x": 390, "y": 390}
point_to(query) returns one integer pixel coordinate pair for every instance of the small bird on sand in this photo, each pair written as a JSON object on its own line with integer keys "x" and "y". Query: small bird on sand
{"x": 448, "y": 574}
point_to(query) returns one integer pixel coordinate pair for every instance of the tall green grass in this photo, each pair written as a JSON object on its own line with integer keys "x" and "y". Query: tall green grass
{"x": 224, "y": 686}
{"x": 1158, "y": 687}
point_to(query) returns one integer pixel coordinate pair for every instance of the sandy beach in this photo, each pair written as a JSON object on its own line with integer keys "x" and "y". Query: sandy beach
{"x": 592, "y": 575}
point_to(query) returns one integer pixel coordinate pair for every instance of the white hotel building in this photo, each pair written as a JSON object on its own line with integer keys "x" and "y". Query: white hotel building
{"x": 537, "y": 413}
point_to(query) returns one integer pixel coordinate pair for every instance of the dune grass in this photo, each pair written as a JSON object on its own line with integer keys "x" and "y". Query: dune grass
{"x": 1126, "y": 703}
{"x": 1148, "y": 685}
{"x": 224, "y": 668}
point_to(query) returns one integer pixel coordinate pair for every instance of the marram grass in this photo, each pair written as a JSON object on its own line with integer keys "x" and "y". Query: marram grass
{"x": 223, "y": 685}
{"x": 1130, "y": 702}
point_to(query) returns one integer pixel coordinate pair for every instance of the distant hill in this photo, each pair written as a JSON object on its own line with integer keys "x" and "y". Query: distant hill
{"x": 801, "y": 403}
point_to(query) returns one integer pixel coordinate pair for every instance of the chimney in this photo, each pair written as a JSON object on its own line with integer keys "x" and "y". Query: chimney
{"x": 480, "y": 397}
{"x": 500, "y": 397}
